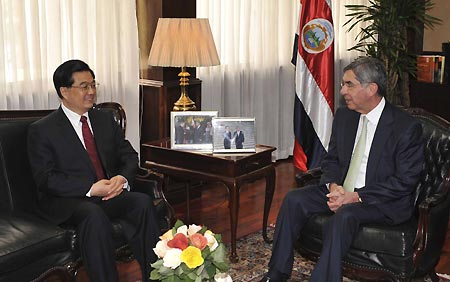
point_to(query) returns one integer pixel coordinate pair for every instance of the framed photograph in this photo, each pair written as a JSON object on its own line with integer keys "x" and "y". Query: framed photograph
{"x": 192, "y": 130}
{"x": 234, "y": 135}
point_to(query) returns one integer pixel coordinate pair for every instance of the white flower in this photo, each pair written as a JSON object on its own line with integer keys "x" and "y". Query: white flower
{"x": 222, "y": 277}
{"x": 172, "y": 258}
{"x": 182, "y": 229}
{"x": 193, "y": 229}
{"x": 212, "y": 242}
{"x": 161, "y": 248}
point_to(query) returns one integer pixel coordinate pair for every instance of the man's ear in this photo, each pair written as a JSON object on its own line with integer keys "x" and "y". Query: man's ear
{"x": 64, "y": 92}
{"x": 373, "y": 88}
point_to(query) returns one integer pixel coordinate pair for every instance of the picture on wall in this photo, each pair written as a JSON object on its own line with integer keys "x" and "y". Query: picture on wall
{"x": 192, "y": 130}
{"x": 234, "y": 135}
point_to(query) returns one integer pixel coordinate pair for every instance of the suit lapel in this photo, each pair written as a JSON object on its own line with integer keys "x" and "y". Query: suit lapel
{"x": 350, "y": 127}
{"x": 382, "y": 133}
{"x": 70, "y": 136}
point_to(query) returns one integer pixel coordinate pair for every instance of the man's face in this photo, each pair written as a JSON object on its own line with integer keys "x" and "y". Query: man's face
{"x": 355, "y": 94}
{"x": 78, "y": 98}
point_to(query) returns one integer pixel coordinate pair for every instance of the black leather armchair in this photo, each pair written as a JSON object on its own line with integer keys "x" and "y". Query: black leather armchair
{"x": 32, "y": 249}
{"x": 409, "y": 250}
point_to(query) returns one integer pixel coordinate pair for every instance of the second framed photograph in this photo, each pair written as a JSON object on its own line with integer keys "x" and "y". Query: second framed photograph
{"x": 234, "y": 135}
{"x": 192, "y": 130}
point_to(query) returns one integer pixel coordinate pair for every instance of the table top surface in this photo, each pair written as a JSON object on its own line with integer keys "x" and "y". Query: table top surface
{"x": 164, "y": 146}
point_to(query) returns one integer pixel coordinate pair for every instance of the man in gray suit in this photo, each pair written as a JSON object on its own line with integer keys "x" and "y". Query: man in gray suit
{"x": 84, "y": 168}
{"x": 378, "y": 189}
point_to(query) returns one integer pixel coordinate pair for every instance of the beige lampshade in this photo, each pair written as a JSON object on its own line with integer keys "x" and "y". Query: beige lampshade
{"x": 183, "y": 42}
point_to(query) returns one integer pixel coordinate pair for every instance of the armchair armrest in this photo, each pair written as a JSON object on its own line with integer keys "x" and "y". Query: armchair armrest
{"x": 151, "y": 183}
{"x": 432, "y": 225}
{"x": 308, "y": 177}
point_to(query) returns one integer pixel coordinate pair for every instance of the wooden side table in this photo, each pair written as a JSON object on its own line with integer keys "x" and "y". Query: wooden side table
{"x": 232, "y": 170}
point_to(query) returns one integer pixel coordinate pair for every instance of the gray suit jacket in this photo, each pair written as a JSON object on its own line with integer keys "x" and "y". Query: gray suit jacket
{"x": 394, "y": 165}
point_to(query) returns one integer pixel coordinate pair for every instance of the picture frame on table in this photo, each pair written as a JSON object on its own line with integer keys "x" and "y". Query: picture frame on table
{"x": 234, "y": 135}
{"x": 192, "y": 130}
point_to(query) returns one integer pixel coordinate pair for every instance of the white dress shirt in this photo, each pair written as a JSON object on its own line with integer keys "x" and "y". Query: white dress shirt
{"x": 74, "y": 119}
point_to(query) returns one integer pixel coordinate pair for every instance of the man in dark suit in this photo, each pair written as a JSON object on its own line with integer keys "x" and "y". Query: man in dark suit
{"x": 180, "y": 133}
{"x": 227, "y": 138}
{"x": 238, "y": 137}
{"x": 378, "y": 189}
{"x": 198, "y": 133}
{"x": 83, "y": 180}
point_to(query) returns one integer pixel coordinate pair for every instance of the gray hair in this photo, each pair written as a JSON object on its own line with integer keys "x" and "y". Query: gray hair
{"x": 368, "y": 70}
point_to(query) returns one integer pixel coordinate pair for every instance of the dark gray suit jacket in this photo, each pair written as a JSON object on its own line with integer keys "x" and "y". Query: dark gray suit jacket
{"x": 61, "y": 166}
{"x": 395, "y": 160}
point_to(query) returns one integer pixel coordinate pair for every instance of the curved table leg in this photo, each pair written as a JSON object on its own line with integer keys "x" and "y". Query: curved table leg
{"x": 270, "y": 189}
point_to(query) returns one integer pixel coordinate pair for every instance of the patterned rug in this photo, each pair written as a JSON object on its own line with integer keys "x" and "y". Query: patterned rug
{"x": 254, "y": 255}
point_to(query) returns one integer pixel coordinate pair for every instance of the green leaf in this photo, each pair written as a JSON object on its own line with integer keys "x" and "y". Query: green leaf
{"x": 157, "y": 264}
{"x": 166, "y": 271}
{"x": 220, "y": 254}
{"x": 222, "y": 266}
{"x": 200, "y": 269}
{"x": 177, "y": 224}
{"x": 203, "y": 230}
{"x": 211, "y": 271}
{"x": 154, "y": 275}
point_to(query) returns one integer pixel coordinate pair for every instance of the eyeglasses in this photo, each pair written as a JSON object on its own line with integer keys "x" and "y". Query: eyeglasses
{"x": 349, "y": 84}
{"x": 86, "y": 86}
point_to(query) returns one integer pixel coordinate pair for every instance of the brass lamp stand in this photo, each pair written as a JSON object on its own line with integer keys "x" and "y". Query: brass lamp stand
{"x": 183, "y": 42}
{"x": 184, "y": 103}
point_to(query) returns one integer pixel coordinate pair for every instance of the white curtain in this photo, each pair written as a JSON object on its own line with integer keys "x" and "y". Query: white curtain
{"x": 254, "y": 39}
{"x": 37, "y": 36}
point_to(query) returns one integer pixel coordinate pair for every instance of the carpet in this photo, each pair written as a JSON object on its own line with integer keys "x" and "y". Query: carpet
{"x": 254, "y": 255}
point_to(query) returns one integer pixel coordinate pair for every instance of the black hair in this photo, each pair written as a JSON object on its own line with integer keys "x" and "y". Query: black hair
{"x": 62, "y": 77}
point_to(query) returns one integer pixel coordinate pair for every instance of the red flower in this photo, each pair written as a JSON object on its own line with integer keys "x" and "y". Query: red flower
{"x": 198, "y": 240}
{"x": 179, "y": 241}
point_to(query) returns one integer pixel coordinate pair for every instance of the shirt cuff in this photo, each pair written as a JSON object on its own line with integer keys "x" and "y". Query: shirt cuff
{"x": 126, "y": 186}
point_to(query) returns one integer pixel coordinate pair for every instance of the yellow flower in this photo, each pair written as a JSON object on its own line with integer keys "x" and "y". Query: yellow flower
{"x": 192, "y": 257}
{"x": 168, "y": 235}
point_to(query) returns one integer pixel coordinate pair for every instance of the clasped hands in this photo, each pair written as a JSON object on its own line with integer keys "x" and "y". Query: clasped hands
{"x": 108, "y": 188}
{"x": 338, "y": 196}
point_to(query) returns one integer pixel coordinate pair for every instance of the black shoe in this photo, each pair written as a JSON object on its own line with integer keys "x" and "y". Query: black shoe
{"x": 266, "y": 278}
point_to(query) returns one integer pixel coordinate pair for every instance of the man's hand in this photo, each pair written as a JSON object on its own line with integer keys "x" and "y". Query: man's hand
{"x": 108, "y": 189}
{"x": 338, "y": 197}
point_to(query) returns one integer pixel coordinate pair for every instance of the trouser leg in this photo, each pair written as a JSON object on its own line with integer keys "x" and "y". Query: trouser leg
{"x": 338, "y": 235}
{"x": 138, "y": 219}
{"x": 95, "y": 242}
{"x": 298, "y": 205}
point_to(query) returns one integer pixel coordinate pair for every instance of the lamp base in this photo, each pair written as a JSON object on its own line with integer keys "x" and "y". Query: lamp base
{"x": 184, "y": 103}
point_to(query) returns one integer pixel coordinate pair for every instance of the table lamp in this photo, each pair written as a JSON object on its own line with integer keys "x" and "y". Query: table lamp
{"x": 183, "y": 42}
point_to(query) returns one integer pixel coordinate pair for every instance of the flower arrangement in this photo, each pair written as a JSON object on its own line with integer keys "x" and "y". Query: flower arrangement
{"x": 190, "y": 253}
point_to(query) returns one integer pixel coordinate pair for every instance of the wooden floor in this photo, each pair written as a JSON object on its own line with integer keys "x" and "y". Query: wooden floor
{"x": 211, "y": 209}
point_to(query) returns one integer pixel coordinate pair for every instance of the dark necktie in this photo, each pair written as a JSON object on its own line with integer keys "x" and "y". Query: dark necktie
{"x": 91, "y": 149}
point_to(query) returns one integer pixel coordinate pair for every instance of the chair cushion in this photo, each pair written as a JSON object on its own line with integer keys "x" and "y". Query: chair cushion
{"x": 25, "y": 239}
{"x": 372, "y": 238}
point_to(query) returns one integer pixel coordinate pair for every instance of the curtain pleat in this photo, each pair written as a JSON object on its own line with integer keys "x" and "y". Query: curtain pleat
{"x": 254, "y": 39}
{"x": 37, "y": 36}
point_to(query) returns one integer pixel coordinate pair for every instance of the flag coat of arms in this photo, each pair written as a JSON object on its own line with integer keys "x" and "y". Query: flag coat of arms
{"x": 313, "y": 58}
